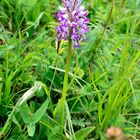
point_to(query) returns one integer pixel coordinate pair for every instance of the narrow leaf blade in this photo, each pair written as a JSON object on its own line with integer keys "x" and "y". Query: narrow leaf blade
{"x": 83, "y": 133}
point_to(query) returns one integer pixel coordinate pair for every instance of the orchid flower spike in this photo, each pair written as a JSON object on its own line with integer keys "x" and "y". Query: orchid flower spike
{"x": 73, "y": 21}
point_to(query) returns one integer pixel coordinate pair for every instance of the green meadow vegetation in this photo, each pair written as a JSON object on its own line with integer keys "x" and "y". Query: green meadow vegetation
{"x": 103, "y": 87}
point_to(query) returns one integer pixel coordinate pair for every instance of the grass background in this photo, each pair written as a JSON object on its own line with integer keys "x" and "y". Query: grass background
{"x": 104, "y": 78}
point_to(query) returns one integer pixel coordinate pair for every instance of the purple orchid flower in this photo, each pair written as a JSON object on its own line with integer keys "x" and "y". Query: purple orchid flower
{"x": 73, "y": 21}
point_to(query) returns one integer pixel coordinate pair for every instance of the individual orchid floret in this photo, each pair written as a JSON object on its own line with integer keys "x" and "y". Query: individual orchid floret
{"x": 73, "y": 21}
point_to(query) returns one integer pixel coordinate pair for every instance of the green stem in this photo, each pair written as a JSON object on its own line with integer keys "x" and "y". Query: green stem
{"x": 66, "y": 71}
{"x": 61, "y": 106}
